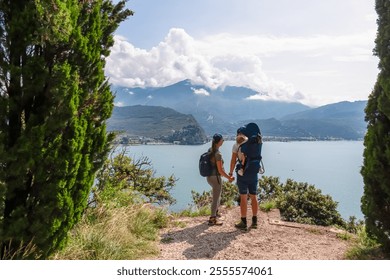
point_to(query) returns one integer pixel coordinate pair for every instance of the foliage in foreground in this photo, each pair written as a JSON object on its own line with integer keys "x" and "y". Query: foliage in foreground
{"x": 123, "y": 220}
{"x": 119, "y": 225}
{"x": 376, "y": 168}
{"x": 297, "y": 202}
{"x": 132, "y": 180}
{"x": 54, "y": 103}
{"x": 123, "y": 233}
{"x": 364, "y": 247}
{"x": 300, "y": 202}
{"x": 202, "y": 201}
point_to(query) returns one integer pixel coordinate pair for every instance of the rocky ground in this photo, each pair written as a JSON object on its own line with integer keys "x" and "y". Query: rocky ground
{"x": 193, "y": 239}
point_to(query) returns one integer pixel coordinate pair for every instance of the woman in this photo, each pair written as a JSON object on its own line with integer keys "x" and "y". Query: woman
{"x": 215, "y": 180}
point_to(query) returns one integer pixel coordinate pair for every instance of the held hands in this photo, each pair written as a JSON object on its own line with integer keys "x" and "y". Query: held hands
{"x": 230, "y": 177}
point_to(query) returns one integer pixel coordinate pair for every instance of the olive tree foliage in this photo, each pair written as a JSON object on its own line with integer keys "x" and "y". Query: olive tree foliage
{"x": 376, "y": 167}
{"x": 54, "y": 103}
{"x": 124, "y": 180}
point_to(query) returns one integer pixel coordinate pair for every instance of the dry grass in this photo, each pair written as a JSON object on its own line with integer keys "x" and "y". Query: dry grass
{"x": 24, "y": 251}
{"x": 129, "y": 232}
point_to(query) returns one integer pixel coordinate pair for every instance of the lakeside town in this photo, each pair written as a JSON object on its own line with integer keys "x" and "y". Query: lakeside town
{"x": 126, "y": 139}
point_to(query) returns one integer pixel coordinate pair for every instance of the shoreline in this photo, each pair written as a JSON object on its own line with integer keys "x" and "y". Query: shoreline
{"x": 284, "y": 140}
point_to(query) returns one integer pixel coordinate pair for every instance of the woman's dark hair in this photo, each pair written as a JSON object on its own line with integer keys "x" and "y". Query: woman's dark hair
{"x": 216, "y": 138}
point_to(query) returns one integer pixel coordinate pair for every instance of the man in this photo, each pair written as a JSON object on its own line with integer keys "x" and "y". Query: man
{"x": 248, "y": 182}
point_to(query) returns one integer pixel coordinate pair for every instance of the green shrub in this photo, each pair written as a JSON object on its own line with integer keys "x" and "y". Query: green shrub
{"x": 229, "y": 196}
{"x": 353, "y": 225}
{"x": 196, "y": 211}
{"x": 123, "y": 181}
{"x": 267, "y": 206}
{"x": 364, "y": 247}
{"x": 300, "y": 202}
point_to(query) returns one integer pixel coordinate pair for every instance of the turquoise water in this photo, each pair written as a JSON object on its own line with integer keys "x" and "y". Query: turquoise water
{"x": 332, "y": 166}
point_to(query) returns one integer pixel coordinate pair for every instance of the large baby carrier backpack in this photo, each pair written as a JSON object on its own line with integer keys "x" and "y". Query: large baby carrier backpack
{"x": 252, "y": 149}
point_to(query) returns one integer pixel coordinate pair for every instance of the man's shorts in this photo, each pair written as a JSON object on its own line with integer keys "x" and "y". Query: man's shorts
{"x": 247, "y": 185}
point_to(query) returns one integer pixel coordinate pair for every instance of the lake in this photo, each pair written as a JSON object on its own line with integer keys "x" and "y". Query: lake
{"x": 332, "y": 166}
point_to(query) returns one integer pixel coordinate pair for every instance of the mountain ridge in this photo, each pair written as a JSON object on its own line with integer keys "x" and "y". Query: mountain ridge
{"x": 223, "y": 110}
{"x": 157, "y": 123}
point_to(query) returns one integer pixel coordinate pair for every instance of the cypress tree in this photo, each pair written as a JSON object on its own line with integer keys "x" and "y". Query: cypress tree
{"x": 376, "y": 166}
{"x": 54, "y": 103}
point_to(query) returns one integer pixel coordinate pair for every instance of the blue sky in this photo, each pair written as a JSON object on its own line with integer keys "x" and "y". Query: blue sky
{"x": 310, "y": 51}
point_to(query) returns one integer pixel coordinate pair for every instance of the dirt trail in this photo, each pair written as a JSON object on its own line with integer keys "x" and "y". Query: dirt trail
{"x": 273, "y": 240}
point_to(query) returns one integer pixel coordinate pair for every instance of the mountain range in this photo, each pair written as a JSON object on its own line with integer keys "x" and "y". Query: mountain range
{"x": 224, "y": 110}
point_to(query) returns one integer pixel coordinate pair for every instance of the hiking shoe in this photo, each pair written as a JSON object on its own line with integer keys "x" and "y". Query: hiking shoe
{"x": 241, "y": 225}
{"x": 213, "y": 221}
{"x": 254, "y": 222}
{"x": 253, "y": 226}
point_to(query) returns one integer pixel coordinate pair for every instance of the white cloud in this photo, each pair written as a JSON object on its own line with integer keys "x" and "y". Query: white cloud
{"x": 272, "y": 45}
{"x": 201, "y": 91}
{"x": 227, "y": 59}
{"x": 372, "y": 17}
{"x": 355, "y": 55}
{"x": 179, "y": 57}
